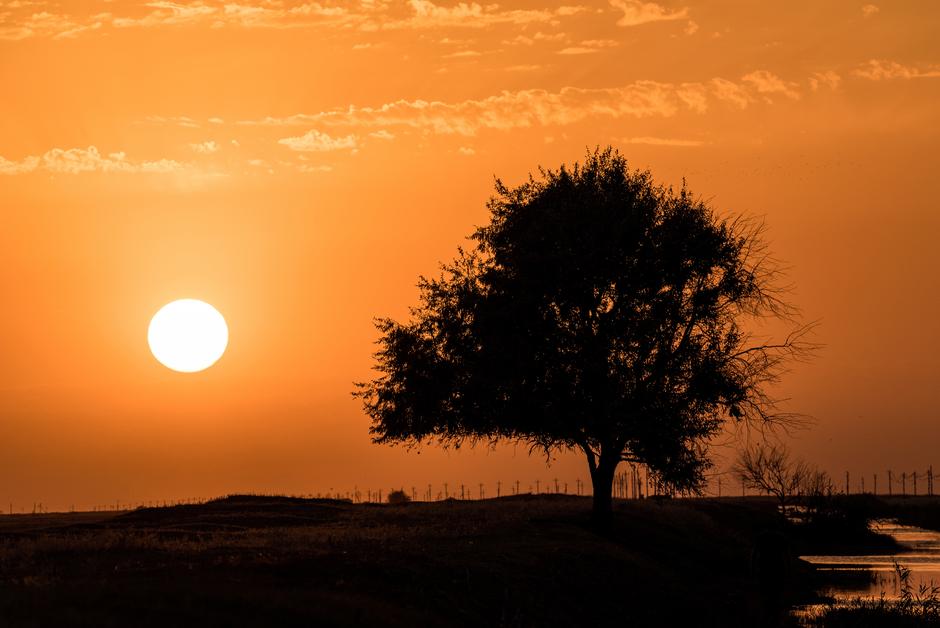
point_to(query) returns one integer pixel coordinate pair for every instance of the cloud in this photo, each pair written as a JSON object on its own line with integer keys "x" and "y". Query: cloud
{"x": 18, "y": 167}
{"x": 382, "y": 134}
{"x": 315, "y": 8}
{"x": 463, "y": 54}
{"x": 365, "y": 15}
{"x": 177, "y": 120}
{"x": 663, "y": 141}
{"x": 205, "y": 148}
{"x": 694, "y": 96}
{"x": 531, "y": 108}
{"x": 731, "y": 92}
{"x": 43, "y": 23}
{"x": 869, "y": 10}
{"x": 78, "y": 160}
{"x": 427, "y": 15}
{"x": 600, "y": 43}
{"x": 522, "y": 68}
{"x": 168, "y": 13}
{"x": 506, "y": 110}
{"x": 315, "y": 141}
{"x": 314, "y": 168}
{"x": 767, "y": 83}
{"x": 577, "y": 50}
{"x": 636, "y": 12}
{"x": 829, "y": 79}
{"x": 691, "y": 27}
{"x": 878, "y": 70}
{"x": 466, "y": 150}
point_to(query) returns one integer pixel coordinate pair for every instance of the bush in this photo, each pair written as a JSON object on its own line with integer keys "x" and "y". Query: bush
{"x": 398, "y": 497}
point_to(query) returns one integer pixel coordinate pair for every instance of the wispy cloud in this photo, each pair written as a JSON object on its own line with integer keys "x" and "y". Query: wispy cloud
{"x": 729, "y": 91}
{"x": 869, "y": 10}
{"x": 663, "y": 141}
{"x": 205, "y": 148}
{"x": 315, "y": 141}
{"x": 879, "y": 70}
{"x": 364, "y": 16}
{"x": 577, "y": 50}
{"x": 178, "y": 121}
{"x": 768, "y": 83}
{"x": 828, "y": 79}
{"x": 78, "y": 160}
{"x": 506, "y": 110}
{"x": 534, "y": 107}
{"x": 636, "y": 12}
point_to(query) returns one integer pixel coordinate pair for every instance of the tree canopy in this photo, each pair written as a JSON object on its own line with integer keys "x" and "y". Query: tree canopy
{"x": 596, "y": 311}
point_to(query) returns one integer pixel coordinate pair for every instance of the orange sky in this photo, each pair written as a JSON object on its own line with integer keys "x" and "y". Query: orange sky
{"x": 299, "y": 164}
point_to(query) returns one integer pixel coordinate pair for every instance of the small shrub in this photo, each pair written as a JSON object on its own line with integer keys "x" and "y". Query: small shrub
{"x": 398, "y": 497}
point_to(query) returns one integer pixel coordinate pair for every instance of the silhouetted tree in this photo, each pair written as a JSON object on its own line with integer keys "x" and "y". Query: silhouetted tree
{"x": 597, "y": 311}
{"x": 771, "y": 469}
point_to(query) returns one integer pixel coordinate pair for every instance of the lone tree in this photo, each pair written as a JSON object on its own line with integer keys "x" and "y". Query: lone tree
{"x": 597, "y": 311}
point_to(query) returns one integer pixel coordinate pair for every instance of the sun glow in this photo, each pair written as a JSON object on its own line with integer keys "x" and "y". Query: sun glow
{"x": 187, "y": 335}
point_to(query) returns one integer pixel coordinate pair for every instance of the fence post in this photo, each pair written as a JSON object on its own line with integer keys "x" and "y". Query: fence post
{"x": 846, "y": 482}
{"x": 890, "y": 480}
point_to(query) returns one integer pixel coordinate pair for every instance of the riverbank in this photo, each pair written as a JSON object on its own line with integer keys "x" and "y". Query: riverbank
{"x": 514, "y": 561}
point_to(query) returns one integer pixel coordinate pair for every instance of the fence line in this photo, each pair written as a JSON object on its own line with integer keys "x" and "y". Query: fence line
{"x": 633, "y": 482}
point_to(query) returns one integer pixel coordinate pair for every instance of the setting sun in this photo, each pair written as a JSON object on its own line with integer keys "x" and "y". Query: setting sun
{"x": 187, "y": 335}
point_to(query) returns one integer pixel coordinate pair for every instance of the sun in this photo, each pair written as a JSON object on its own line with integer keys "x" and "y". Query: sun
{"x": 187, "y": 335}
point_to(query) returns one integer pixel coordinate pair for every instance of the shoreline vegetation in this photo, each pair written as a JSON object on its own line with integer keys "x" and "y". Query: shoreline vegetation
{"x": 527, "y": 560}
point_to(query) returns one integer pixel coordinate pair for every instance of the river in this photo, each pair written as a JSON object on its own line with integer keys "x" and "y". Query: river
{"x": 874, "y": 575}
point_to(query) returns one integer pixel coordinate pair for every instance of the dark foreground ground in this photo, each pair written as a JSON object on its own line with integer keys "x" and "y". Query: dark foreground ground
{"x": 517, "y": 561}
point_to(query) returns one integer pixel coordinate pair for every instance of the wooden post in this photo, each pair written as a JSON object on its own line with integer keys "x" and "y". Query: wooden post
{"x": 904, "y": 483}
{"x": 498, "y": 487}
{"x": 915, "y": 483}
{"x": 890, "y": 480}
{"x": 846, "y": 482}
{"x": 719, "y": 486}
{"x": 876, "y": 484}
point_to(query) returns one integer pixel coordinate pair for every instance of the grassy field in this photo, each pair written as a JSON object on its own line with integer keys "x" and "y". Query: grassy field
{"x": 516, "y": 561}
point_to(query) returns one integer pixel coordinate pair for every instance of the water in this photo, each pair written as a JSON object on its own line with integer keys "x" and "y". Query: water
{"x": 870, "y": 576}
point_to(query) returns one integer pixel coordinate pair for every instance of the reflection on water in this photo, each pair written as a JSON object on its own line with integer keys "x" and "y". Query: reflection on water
{"x": 870, "y": 576}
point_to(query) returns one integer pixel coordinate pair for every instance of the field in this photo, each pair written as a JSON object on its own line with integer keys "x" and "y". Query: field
{"x": 512, "y": 561}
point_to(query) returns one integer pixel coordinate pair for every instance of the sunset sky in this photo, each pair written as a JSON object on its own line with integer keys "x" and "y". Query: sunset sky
{"x": 299, "y": 164}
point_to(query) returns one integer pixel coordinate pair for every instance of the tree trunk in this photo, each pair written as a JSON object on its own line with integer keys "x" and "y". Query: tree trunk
{"x": 602, "y": 481}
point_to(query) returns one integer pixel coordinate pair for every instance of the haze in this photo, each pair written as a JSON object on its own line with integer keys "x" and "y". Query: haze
{"x": 298, "y": 165}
